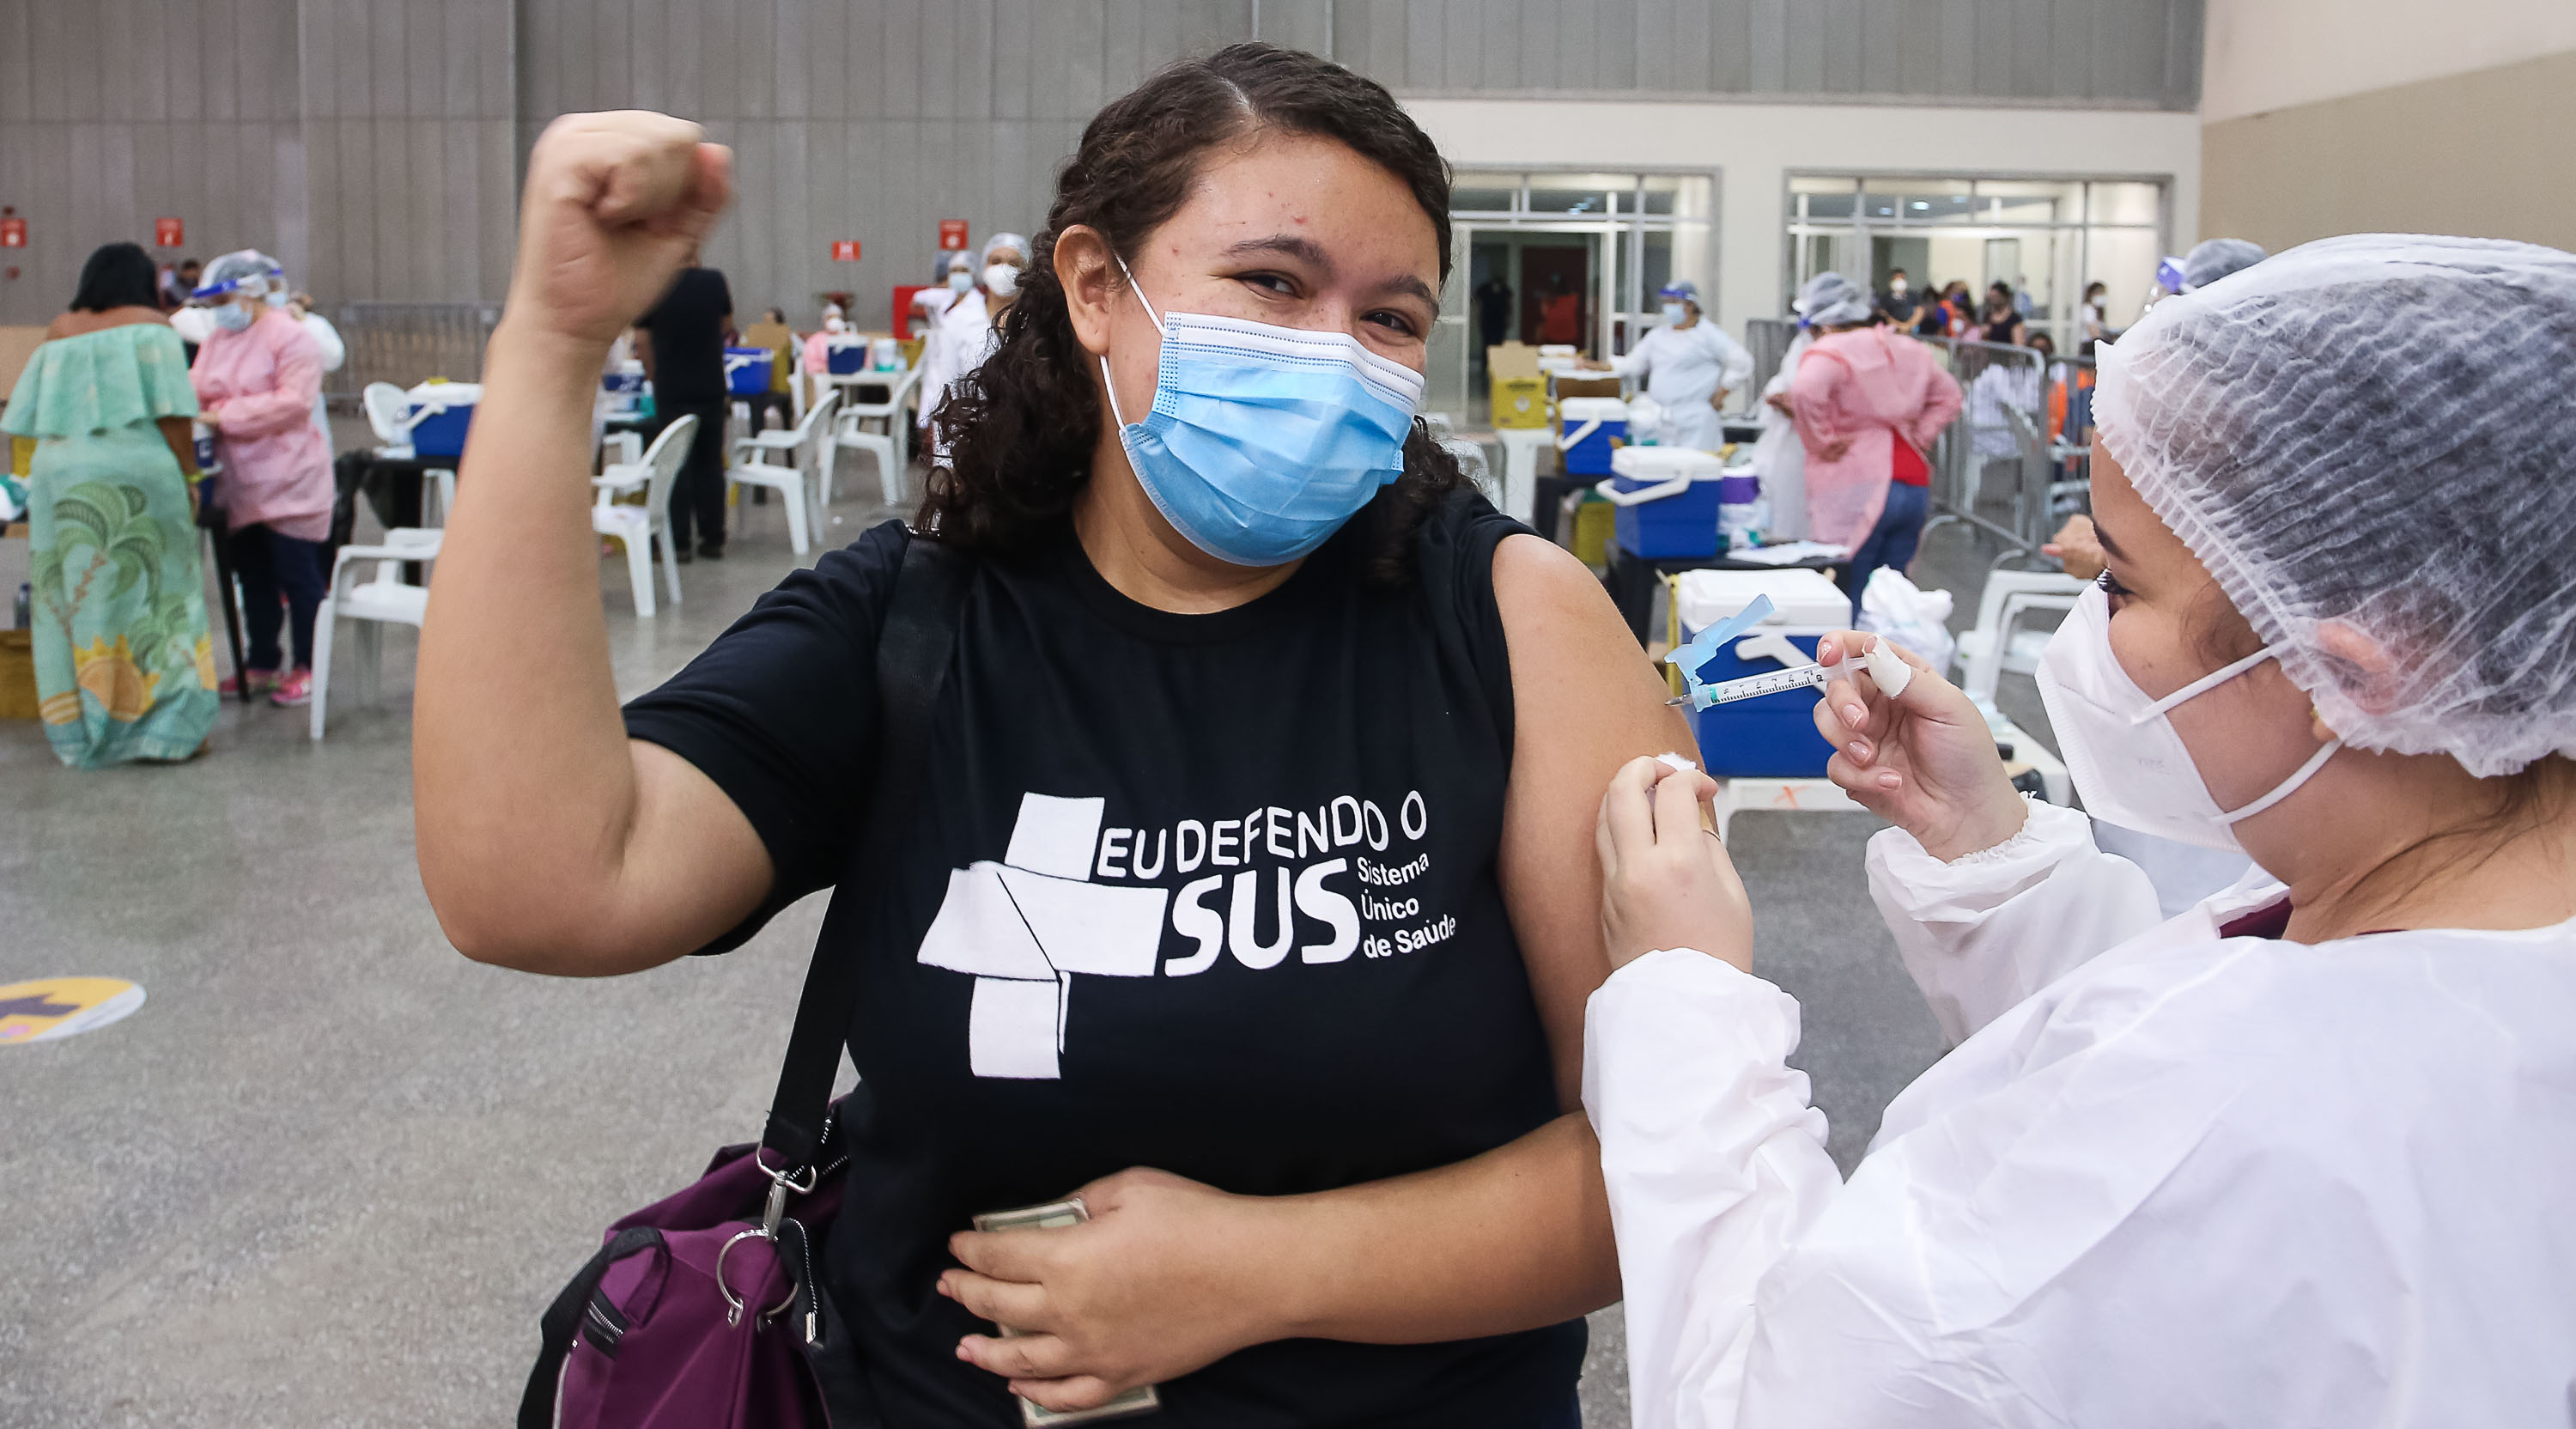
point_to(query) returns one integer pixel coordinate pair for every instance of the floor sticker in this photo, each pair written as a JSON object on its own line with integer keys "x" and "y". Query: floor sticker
{"x": 56, "y": 1007}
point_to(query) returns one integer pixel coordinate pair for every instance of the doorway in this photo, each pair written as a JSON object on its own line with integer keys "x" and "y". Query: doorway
{"x": 1556, "y": 285}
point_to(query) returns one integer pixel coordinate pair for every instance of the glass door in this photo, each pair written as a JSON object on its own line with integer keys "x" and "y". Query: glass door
{"x": 1549, "y": 258}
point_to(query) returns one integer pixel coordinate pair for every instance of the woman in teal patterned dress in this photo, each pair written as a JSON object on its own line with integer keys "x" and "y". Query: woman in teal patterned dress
{"x": 124, "y": 667}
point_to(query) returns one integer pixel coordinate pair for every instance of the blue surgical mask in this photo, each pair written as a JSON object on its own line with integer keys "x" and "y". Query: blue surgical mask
{"x": 276, "y": 298}
{"x": 1263, "y": 440}
{"x": 233, "y": 317}
{"x": 1673, "y": 313}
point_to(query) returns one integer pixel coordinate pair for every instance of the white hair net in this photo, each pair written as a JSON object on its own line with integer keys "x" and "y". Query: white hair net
{"x": 247, "y": 273}
{"x": 2366, "y": 441}
{"x": 1000, "y": 241}
{"x": 1832, "y": 300}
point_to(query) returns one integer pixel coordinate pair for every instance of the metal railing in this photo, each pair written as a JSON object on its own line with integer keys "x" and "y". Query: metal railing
{"x": 2012, "y": 468}
{"x": 408, "y": 343}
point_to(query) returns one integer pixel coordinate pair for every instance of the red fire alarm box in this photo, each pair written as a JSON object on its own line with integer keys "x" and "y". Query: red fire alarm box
{"x": 845, "y": 250}
{"x": 13, "y": 233}
{"x": 168, "y": 233}
{"x": 952, "y": 235}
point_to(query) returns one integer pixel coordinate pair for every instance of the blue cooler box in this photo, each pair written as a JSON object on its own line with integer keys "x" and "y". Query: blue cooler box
{"x": 441, "y": 412}
{"x": 1769, "y": 736}
{"x": 1667, "y": 500}
{"x": 842, "y": 356}
{"x": 1586, "y": 430}
{"x": 747, "y": 370}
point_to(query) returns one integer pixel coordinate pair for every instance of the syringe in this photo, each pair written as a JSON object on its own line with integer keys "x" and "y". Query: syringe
{"x": 1772, "y": 683}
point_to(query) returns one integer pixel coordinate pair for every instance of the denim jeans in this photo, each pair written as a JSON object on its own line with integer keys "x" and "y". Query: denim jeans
{"x": 1891, "y": 542}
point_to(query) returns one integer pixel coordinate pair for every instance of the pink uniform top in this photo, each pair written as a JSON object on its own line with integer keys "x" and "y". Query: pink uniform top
{"x": 1862, "y": 391}
{"x": 817, "y": 346}
{"x": 258, "y": 387}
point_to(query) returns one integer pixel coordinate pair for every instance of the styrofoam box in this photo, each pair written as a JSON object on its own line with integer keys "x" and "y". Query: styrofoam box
{"x": 1808, "y": 599}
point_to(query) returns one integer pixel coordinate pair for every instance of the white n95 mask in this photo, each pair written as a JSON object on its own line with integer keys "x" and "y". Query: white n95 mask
{"x": 2125, "y": 757}
{"x": 1001, "y": 279}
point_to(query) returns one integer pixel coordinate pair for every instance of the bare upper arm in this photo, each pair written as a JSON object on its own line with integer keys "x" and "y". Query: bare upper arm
{"x": 686, "y": 868}
{"x": 1585, "y": 701}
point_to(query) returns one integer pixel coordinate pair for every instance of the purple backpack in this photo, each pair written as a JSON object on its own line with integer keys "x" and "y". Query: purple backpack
{"x": 704, "y": 1310}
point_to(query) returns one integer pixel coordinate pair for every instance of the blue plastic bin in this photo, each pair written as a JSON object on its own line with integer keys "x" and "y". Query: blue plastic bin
{"x": 747, "y": 370}
{"x": 1681, "y": 524}
{"x": 1768, "y": 736}
{"x": 441, "y": 413}
{"x": 1588, "y": 430}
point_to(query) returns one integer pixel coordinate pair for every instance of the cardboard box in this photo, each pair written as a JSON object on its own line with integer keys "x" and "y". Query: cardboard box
{"x": 1593, "y": 385}
{"x": 1511, "y": 359}
{"x": 17, "y": 675}
{"x": 1520, "y": 402}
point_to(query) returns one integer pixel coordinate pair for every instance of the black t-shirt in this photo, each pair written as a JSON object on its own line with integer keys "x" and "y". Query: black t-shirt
{"x": 1210, "y": 893}
{"x": 688, "y": 337}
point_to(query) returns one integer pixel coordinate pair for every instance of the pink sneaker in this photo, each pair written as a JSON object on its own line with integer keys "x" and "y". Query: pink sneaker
{"x": 296, "y": 689}
{"x": 260, "y": 682}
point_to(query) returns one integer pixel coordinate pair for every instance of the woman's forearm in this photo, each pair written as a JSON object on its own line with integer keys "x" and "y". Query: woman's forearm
{"x": 1513, "y": 1239}
{"x": 522, "y": 782}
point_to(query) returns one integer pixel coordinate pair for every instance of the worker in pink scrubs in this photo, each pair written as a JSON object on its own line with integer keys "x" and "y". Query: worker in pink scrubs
{"x": 257, "y": 375}
{"x": 1868, "y": 403}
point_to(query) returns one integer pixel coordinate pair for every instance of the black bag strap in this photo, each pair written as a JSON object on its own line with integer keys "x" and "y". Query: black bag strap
{"x": 562, "y": 1321}
{"x": 913, "y": 649}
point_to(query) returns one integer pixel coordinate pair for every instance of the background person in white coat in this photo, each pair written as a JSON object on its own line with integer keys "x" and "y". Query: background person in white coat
{"x": 964, "y": 335}
{"x": 1690, "y": 365}
{"x": 2301, "y": 1156}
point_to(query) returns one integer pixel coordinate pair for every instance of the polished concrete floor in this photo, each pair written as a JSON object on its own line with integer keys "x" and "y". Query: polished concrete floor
{"x": 331, "y": 1171}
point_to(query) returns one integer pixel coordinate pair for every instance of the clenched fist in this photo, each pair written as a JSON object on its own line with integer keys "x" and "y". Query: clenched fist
{"x": 615, "y": 203}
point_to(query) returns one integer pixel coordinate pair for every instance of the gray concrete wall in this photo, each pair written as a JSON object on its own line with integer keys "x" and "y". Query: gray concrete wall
{"x": 374, "y": 145}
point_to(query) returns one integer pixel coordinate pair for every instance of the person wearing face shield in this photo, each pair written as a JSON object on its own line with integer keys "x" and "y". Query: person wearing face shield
{"x": 2301, "y": 1155}
{"x": 1690, "y": 366}
{"x": 969, "y": 329}
{"x": 818, "y": 343}
{"x": 258, "y": 376}
{"x": 2207, "y": 262}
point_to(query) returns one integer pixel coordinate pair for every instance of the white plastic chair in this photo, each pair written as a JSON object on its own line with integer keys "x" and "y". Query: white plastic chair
{"x": 641, "y": 528}
{"x": 389, "y": 415}
{"x": 795, "y": 447}
{"x": 373, "y": 604}
{"x": 891, "y": 447}
{"x": 1994, "y": 646}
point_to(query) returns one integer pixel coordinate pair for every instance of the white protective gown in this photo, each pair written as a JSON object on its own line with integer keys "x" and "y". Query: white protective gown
{"x": 1683, "y": 368}
{"x": 1779, "y": 457}
{"x": 960, "y": 337}
{"x": 2185, "y": 1181}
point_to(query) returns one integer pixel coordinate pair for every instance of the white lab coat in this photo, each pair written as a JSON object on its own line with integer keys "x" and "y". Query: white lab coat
{"x": 1779, "y": 456}
{"x": 1683, "y": 368}
{"x": 334, "y": 354}
{"x": 959, "y": 338}
{"x": 2186, "y": 1181}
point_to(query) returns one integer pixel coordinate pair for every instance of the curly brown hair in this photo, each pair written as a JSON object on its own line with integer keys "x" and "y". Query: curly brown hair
{"x": 1020, "y": 430}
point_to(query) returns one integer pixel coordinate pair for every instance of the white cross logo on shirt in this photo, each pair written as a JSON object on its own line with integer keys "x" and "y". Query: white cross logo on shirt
{"x": 1023, "y": 927}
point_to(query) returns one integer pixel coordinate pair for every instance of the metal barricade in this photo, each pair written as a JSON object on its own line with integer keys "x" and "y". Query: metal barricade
{"x": 1995, "y": 470}
{"x": 408, "y": 343}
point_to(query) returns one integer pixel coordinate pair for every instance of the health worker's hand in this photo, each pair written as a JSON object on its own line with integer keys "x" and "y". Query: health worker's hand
{"x": 1717, "y": 399}
{"x": 1925, "y": 761}
{"x": 2077, "y": 548}
{"x": 1835, "y": 449}
{"x": 614, "y": 203}
{"x": 1666, "y": 881}
{"x": 1163, "y": 1279}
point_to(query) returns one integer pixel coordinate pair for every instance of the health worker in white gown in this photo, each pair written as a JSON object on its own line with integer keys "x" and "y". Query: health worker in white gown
{"x": 2302, "y": 1156}
{"x": 1690, "y": 366}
